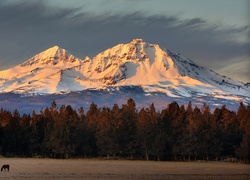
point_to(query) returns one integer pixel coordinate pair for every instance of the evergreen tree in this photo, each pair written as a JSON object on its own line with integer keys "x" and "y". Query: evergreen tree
{"x": 92, "y": 117}
{"x": 106, "y": 133}
{"x": 5, "y": 117}
{"x": 210, "y": 144}
{"x": 145, "y": 133}
{"x": 62, "y": 132}
{"x": 230, "y": 132}
{"x": 161, "y": 139}
{"x": 12, "y": 139}
{"x": 243, "y": 150}
{"x": 62, "y": 140}
{"x": 126, "y": 134}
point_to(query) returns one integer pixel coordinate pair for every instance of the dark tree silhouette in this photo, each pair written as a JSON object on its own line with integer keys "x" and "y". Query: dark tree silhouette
{"x": 175, "y": 133}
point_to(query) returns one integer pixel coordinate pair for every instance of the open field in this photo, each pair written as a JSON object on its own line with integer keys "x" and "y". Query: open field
{"x": 37, "y": 169}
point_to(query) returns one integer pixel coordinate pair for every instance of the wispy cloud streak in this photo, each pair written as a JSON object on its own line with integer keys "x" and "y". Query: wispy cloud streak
{"x": 29, "y": 27}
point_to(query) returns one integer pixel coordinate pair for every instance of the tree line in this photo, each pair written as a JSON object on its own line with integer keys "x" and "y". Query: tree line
{"x": 174, "y": 133}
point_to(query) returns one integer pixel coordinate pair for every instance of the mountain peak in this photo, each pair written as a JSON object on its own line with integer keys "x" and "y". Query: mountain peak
{"x": 54, "y": 49}
{"x": 51, "y": 56}
{"x": 137, "y": 40}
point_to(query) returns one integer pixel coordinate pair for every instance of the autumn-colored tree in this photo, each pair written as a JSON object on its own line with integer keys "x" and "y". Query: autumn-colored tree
{"x": 5, "y": 117}
{"x": 209, "y": 142}
{"x": 243, "y": 116}
{"x": 106, "y": 132}
{"x": 92, "y": 117}
{"x": 162, "y": 134}
{"x": 145, "y": 132}
{"x": 193, "y": 133}
{"x": 63, "y": 139}
{"x": 177, "y": 129}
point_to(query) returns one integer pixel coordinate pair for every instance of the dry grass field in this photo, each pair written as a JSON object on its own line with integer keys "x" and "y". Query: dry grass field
{"x": 37, "y": 169}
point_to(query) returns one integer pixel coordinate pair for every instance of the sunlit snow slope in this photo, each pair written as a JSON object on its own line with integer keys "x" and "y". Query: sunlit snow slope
{"x": 41, "y": 73}
{"x": 134, "y": 64}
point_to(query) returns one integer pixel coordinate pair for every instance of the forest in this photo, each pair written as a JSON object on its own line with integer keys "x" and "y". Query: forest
{"x": 176, "y": 133}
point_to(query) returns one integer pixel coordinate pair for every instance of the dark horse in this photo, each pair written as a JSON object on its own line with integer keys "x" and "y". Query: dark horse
{"x": 6, "y": 166}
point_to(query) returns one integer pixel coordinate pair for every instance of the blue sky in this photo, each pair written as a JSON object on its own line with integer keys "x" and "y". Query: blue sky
{"x": 213, "y": 33}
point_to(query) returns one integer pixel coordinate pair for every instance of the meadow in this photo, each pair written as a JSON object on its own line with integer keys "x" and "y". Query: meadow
{"x": 70, "y": 169}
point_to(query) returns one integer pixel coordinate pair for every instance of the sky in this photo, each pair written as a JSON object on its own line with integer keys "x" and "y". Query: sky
{"x": 214, "y": 34}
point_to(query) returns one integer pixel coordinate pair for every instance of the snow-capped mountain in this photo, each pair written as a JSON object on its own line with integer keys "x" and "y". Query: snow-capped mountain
{"x": 34, "y": 74}
{"x": 134, "y": 64}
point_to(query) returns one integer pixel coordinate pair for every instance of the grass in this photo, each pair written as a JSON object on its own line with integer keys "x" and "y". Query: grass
{"x": 37, "y": 169}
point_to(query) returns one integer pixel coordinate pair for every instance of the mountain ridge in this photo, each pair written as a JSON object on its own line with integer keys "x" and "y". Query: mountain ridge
{"x": 137, "y": 63}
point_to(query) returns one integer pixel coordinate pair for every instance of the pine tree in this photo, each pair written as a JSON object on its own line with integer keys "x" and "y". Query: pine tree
{"x": 243, "y": 150}
{"x": 126, "y": 134}
{"x": 230, "y": 132}
{"x": 106, "y": 133}
{"x": 12, "y": 140}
